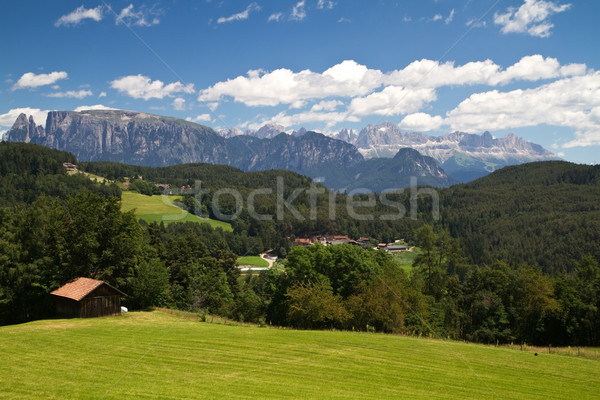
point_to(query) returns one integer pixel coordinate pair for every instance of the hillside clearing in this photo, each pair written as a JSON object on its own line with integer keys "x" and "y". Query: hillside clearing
{"x": 159, "y": 209}
{"x": 156, "y": 355}
{"x": 254, "y": 261}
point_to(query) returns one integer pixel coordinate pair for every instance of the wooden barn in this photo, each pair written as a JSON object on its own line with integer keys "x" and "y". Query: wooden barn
{"x": 85, "y": 298}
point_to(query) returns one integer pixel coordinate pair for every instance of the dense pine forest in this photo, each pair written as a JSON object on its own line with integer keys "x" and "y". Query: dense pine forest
{"x": 512, "y": 258}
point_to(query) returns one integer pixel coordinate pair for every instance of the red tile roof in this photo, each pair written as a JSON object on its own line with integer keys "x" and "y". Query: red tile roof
{"x": 79, "y": 288}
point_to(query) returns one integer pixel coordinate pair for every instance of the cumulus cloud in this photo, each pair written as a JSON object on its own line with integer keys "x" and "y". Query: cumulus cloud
{"x": 142, "y": 87}
{"x": 31, "y": 80}
{"x": 142, "y": 17}
{"x": 392, "y": 100}
{"x": 421, "y": 122}
{"x": 76, "y": 94}
{"x": 533, "y": 17}
{"x": 434, "y": 74}
{"x": 568, "y": 95}
{"x": 569, "y": 102}
{"x": 199, "y": 118}
{"x": 9, "y": 118}
{"x": 179, "y": 104}
{"x": 241, "y": 15}
{"x": 298, "y": 11}
{"x": 94, "y": 107}
{"x": 284, "y": 86}
{"x": 326, "y": 105}
{"x": 79, "y": 14}
{"x": 328, "y": 119}
{"x": 102, "y": 94}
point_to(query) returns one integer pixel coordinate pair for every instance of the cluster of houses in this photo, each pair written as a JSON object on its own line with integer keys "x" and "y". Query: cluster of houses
{"x": 344, "y": 239}
{"x": 330, "y": 240}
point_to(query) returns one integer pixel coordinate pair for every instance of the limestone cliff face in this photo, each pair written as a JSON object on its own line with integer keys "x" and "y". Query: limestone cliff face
{"x": 24, "y": 130}
{"x": 145, "y": 139}
{"x": 130, "y": 137}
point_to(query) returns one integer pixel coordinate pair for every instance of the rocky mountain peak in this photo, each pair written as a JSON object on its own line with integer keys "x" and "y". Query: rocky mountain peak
{"x": 24, "y": 130}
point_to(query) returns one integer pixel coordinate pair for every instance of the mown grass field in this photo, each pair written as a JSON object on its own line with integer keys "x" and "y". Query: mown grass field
{"x": 253, "y": 260}
{"x": 161, "y": 209}
{"x": 154, "y": 355}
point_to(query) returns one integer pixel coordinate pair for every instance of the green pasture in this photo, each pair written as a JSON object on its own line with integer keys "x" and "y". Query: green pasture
{"x": 154, "y": 355}
{"x": 253, "y": 260}
{"x": 159, "y": 209}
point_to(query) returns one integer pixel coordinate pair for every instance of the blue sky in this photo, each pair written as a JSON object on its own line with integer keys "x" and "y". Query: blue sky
{"x": 530, "y": 67}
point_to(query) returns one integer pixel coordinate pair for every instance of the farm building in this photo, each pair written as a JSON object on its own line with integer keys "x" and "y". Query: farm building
{"x": 396, "y": 248}
{"x": 85, "y": 298}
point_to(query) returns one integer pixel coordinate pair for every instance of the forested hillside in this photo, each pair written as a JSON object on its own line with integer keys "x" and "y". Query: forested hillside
{"x": 544, "y": 213}
{"x": 28, "y": 171}
{"x": 514, "y": 257}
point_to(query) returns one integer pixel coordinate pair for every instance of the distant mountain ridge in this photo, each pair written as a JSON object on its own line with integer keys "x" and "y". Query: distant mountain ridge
{"x": 463, "y": 156}
{"x": 152, "y": 140}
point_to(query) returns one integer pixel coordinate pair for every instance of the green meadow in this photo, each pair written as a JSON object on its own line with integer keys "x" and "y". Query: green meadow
{"x": 253, "y": 260}
{"x": 159, "y": 209}
{"x": 154, "y": 355}
{"x": 405, "y": 259}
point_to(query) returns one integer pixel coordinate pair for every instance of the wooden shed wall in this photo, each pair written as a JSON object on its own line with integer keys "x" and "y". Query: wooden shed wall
{"x": 100, "y": 306}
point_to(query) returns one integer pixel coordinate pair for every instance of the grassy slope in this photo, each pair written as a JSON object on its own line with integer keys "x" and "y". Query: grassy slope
{"x": 161, "y": 208}
{"x": 405, "y": 259}
{"x": 155, "y": 355}
{"x": 253, "y": 260}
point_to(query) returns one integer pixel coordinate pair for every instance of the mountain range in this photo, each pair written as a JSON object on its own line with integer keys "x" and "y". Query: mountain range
{"x": 343, "y": 162}
{"x": 463, "y": 156}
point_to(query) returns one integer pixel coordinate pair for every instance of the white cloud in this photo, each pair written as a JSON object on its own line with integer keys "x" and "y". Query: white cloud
{"x": 79, "y": 94}
{"x": 31, "y": 80}
{"x": 347, "y": 92}
{"x": 142, "y": 17}
{"x": 450, "y": 17}
{"x": 328, "y": 4}
{"x": 532, "y": 17}
{"x": 79, "y": 14}
{"x": 241, "y": 15}
{"x": 569, "y": 102}
{"x": 102, "y": 94}
{"x": 39, "y": 116}
{"x": 141, "y": 87}
{"x": 199, "y": 118}
{"x": 328, "y": 119}
{"x": 179, "y": 104}
{"x": 326, "y": 105}
{"x": 392, "y": 100}
{"x": 275, "y": 17}
{"x": 298, "y": 11}
{"x": 421, "y": 122}
{"x": 2, "y": 133}
{"x": 433, "y": 74}
{"x": 283, "y": 86}
{"x": 94, "y": 107}
{"x": 437, "y": 17}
